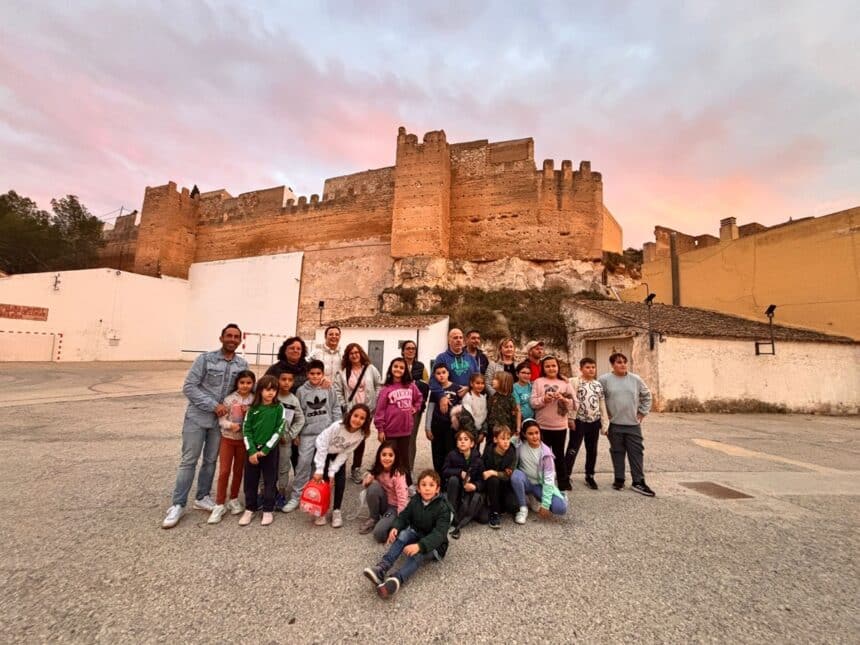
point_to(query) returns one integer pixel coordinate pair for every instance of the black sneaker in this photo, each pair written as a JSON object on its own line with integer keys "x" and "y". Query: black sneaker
{"x": 495, "y": 521}
{"x": 618, "y": 484}
{"x": 455, "y": 533}
{"x": 589, "y": 481}
{"x": 563, "y": 486}
{"x": 388, "y": 588}
{"x": 374, "y": 574}
{"x": 642, "y": 489}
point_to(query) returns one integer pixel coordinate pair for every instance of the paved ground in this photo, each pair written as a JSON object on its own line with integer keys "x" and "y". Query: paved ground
{"x": 86, "y": 477}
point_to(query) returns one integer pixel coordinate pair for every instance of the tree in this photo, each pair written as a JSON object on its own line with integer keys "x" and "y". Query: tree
{"x": 79, "y": 232}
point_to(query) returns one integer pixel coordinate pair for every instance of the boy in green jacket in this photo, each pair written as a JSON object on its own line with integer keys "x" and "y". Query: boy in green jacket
{"x": 420, "y": 532}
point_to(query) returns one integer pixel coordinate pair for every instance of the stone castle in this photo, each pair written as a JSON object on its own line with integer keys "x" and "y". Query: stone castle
{"x": 460, "y": 203}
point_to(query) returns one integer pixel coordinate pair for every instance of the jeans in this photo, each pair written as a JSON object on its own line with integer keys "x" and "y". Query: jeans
{"x": 196, "y": 439}
{"x": 307, "y": 449}
{"x": 627, "y": 440}
{"x": 590, "y": 431}
{"x": 412, "y": 563}
{"x": 522, "y": 487}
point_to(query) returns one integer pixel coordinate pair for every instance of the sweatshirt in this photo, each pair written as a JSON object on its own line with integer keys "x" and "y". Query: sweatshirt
{"x": 435, "y": 416}
{"x": 263, "y": 428}
{"x": 590, "y": 400}
{"x": 625, "y": 397}
{"x": 545, "y": 474}
{"x": 396, "y": 408}
{"x": 335, "y": 440}
{"x": 430, "y": 521}
{"x": 460, "y": 368}
{"x": 552, "y": 415}
{"x": 396, "y": 490}
{"x": 494, "y": 461}
{"x": 293, "y": 415}
{"x": 319, "y": 406}
{"x": 236, "y": 406}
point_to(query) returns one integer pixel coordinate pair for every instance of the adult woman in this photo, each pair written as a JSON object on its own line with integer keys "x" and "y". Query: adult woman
{"x": 507, "y": 362}
{"x": 357, "y": 381}
{"x": 292, "y": 358}
{"x": 416, "y": 369}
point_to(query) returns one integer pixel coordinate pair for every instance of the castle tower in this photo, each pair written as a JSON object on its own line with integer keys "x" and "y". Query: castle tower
{"x": 421, "y": 217}
{"x": 166, "y": 237}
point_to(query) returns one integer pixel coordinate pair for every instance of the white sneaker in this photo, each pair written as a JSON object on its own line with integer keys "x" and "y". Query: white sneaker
{"x": 320, "y": 521}
{"x": 292, "y": 505}
{"x": 522, "y": 514}
{"x": 172, "y": 518}
{"x": 336, "y": 519}
{"x": 246, "y": 518}
{"x": 235, "y": 506}
{"x": 205, "y": 504}
{"x": 217, "y": 513}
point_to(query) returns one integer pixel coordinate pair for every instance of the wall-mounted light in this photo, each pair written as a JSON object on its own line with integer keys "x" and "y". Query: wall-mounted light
{"x": 649, "y": 300}
{"x": 760, "y": 344}
{"x": 321, "y": 307}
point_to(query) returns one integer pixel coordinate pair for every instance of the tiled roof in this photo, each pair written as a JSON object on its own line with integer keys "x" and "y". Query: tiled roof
{"x": 387, "y": 320}
{"x": 702, "y": 323}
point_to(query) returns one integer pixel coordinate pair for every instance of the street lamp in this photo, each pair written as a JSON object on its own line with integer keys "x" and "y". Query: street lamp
{"x": 763, "y": 343}
{"x": 649, "y": 301}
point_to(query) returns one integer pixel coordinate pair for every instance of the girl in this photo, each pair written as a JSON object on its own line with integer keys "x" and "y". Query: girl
{"x": 463, "y": 473}
{"x": 552, "y": 400}
{"x": 398, "y": 402}
{"x": 535, "y": 475}
{"x": 475, "y": 403}
{"x": 523, "y": 394}
{"x": 501, "y": 408}
{"x": 416, "y": 368}
{"x": 232, "y": 453}
{"x": 357, "y": 381}
{"x": 263, "y": 429}
{"x": 507, "y": 363}
{"x": 387, "y": 491}
{"x": 333, "y": 447}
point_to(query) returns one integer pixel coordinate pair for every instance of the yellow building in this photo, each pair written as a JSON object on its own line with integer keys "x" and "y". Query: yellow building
{"x": 808, "y": 268}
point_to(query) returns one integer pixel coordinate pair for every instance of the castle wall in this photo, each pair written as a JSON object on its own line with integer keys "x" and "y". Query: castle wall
{"x": 120, "y": 243}
{"x": 166, "y": 235}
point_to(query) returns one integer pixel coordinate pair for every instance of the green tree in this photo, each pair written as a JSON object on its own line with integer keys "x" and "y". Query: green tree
{"x": 79, "y": 234}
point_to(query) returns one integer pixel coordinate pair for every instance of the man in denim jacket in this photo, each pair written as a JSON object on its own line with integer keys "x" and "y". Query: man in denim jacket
{"x": 210, "y": 379}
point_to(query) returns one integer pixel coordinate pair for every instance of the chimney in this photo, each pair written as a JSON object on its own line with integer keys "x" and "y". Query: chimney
{"x": 728, "y": 229}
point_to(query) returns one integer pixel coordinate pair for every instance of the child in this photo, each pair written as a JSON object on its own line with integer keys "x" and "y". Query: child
{"x": 263, "y": 428}
{"x": 501, "y": 408}
{"x": 387, "y": 491}
{"x": 522, "y": 392}
{"x": 535, "y": 475}
{"x": 475, "y": 403}
{"x": 552, "y": 400}
{"x": 295, "y": 419}
{"x": 334, "y": 445}
{"x": 321, "y": 409}
{"x": 588, "y": 420}
{"x": 398, "y": 402}
{"x": 420, "y": 532}
{"x": 500, "y": 461}
{"x": 463, "y": 473}
{"x": 438, "y": 424}
{"x": 232, "y": 454}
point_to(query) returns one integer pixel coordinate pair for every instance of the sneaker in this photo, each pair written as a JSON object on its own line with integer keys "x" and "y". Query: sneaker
{"x": 292, "y": 505}
{"x": 522, "y": 514}
{"x": 204, "y": 504}
{"x": 235, "y": 506}
{"x": 388, "y": 588}
{"x": 280, "y": 502}
{"x": 355, "y": 475}
{"x": 642, "y": 489}
{"x": 367, "y": 526}
{"x": 268, "y": 518}
{"x": 589, "y": 481}
{"x": 534, "y": 504}
{"x": 565, "y": 486}
{"x": 172, "y": 518}
{"x": 495, "y": 521}
{"x": 320, "y": 521}
{"x": 618, "y": 484}
{"x": 336, "y": 519}
{"x": 411, "y": 490}
{"x": 455, "y": 533}
{"x": 374, "y": 574}
{"x": 217, "y": 513}
{"x": 246, "y": 518}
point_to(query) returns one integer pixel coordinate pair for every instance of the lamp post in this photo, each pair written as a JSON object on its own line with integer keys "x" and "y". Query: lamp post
{"x": 758, "y": 344}
{"x": 649, "y": 301}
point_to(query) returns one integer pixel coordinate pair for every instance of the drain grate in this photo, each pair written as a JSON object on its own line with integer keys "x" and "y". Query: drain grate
{"x": 714, "y": 490}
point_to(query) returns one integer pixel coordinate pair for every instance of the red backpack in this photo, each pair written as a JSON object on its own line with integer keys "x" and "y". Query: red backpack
{"x": 315, "y": 498}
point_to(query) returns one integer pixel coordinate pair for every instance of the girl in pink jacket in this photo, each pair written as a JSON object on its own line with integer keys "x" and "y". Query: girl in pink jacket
{"x": 398, "y": 402}
{"x": 552, "y": 400}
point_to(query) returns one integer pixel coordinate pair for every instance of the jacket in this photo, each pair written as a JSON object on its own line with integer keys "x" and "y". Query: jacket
{"x": 419, "y": 377}
{"x": 456, "y": 463}
{"x": 396, "y": 408}
{"x": 501, "y": 411}
{"x": 208, "y": 382}
{"x": 236, "y": 408}
{"x": 546, "y": 473}
{"x": 298, "y": 370}
{"x": 372, "y": 382}
{"x": 335, "y": 440}
{"x": 293, "y": 415}
{"x": 263, "y": 428}
{"x": 494, "y": 461}
{"x": 396, "y": 490}
{"x": 430, "y": 522}
{"x": 319, "y": 406}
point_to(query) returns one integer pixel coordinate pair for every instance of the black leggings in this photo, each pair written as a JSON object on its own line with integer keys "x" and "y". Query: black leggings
{"x": 339, "y": 480}
{"x": 267, "y": 467}
{"x": 555, "y": 440}
{"x": 590, "y": 431}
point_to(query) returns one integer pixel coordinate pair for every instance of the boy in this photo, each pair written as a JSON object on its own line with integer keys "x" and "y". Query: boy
{"x": 463, "y": 476}
{"x": 438, "y": 424}
{"x": 420, "y": 532}
{"x": 628, "y": 400}
{"x": 295, "y": 421}
{"x": 320, "y": 408}
{"x": 500, "y": 461}
{"x": 588, "y": 419}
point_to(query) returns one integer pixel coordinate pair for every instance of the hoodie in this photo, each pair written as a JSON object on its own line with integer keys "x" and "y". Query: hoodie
{"x": 460, "y": 367}
{"x": 545, "y": 474}
{"x": 293, "y": 415}
{"x": 430, "y": 521}
{"x": 396, "y": 408}
{"x": 319, "y": 406}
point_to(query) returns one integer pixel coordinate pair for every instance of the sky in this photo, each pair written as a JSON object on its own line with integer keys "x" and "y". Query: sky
{"x": 692, "y": 111}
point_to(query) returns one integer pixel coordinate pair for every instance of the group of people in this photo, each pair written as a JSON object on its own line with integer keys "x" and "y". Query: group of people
{"x": 504, "y": 437}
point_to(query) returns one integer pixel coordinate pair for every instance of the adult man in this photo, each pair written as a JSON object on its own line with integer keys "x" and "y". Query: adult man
{"x": 628, "y": 400}
{"x": 473, "y": 346}
{"x": 329, "y": 352}
{"x": 209, "y": 380}
{"x": 461, "y": 365}
{"x": 534, "y": 352}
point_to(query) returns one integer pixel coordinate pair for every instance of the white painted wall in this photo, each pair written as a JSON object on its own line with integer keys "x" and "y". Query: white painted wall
{"x": 813, "y": 377}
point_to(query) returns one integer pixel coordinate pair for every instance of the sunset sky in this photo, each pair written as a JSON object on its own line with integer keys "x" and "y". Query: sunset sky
{"x": 693, "y": 111}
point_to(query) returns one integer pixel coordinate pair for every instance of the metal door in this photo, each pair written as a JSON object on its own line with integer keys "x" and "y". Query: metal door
{"x": 375, "y": 351}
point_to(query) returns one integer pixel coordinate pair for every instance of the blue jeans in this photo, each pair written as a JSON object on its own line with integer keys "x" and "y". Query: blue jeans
{"x": 522, "y": 487}
{"x": 412, "y": 563}
{"x": 196, "y": 439}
